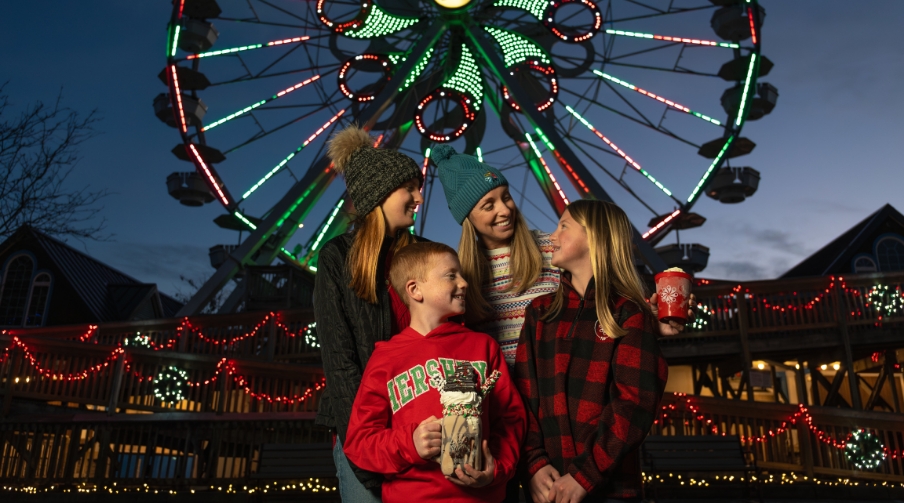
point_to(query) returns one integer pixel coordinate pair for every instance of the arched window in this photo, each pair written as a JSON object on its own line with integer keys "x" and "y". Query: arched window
{"x": 14, "y": 291}
{"x": 864, "y": 263}
{"x": 890, "y": 253}
{"x": 37, "y": 305}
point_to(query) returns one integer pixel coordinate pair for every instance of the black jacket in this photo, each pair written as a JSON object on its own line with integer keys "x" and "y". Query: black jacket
{"x": 348, "y": 328}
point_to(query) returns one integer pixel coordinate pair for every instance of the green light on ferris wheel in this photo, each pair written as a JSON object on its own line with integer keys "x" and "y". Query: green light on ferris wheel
{"x": 743, "y": 106}
{"x": 516, "y": 48}
{"x": 716, "y": 161}
{"x": 380, "y": 23}
{"x": 552, "y": 177}
{"x": 418, "y": 68}
{"x": 666, "y": 38}
{"x": 479, "y": 155}
{"x": 247, "y": 109}
{"x": 545, "y": 140}
{"x": 290, "y": 156}
{"x": 535, "y": 7}
{"x": 245, "y": 220}
{"x": 466, "y": 78}
{"x": 326, "y": 226}
{"x": 175, "y": 41}
{"x": 656, "y": 97}
{"x": 619, "y": 151}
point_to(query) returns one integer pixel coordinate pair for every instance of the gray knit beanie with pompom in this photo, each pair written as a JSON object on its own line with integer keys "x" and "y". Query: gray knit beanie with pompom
{"x": 371, "y": 173}
{"x": 465, "y": 179}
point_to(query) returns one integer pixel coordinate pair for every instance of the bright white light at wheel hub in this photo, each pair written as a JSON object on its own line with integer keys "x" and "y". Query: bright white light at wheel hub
{"x": 452, "y": 4}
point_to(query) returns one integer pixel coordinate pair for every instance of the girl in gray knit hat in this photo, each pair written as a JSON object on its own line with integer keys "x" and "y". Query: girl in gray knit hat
{"x": 353, "y": 305}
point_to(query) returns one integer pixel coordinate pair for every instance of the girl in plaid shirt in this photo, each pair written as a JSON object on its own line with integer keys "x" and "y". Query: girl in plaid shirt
{"x": 588, "y": 365}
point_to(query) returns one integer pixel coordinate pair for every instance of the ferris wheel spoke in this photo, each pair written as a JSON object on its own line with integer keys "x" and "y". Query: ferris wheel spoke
{"x": 277, "y": 60}
{"x": 660, "y": 14}
{"x": 645, "y": 122}
{"x": 289, "y": 157}
{"x": 670, "y": 103}
{"x": 334, "y": 224}
{"x": 669, "y": 45}
{"x": 650, "y": 7}
{"x": 307, "y": 26}
{"x": 263, "y": 134}
{"x": 679, "y": 69}
{"x": 251, "y": 107}
{"x": 284, "y": 11}
{"x": 576, "y": 142}
{"x": 246, "y": 78}
{"x": 628, "y": 159}
{"x": 249, "y": 47}
{"x": 669, "y": 38}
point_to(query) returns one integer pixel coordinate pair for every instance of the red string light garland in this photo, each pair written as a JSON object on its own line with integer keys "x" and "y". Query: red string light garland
{"x": 802, "y": 413}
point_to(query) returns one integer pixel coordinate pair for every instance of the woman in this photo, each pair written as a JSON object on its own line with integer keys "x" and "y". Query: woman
{"x": 353, "y": 305}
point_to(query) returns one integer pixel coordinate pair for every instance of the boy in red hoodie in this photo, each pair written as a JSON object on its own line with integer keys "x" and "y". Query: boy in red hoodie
{"x": 394, "y": 427}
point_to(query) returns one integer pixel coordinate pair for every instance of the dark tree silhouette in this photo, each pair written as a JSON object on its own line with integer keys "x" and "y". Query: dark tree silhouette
{"x": 39, "y": 148}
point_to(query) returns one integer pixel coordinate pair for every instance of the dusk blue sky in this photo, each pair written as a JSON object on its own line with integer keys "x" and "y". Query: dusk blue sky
{"x": 827, "y": 154}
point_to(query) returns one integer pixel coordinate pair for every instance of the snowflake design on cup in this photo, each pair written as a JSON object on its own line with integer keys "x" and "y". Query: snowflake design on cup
{"x": 669, "y": 294}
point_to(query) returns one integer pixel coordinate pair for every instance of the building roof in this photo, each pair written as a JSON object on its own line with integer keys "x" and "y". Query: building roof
{"x": 93, "y": 280}
{"x": 837, "y": 255}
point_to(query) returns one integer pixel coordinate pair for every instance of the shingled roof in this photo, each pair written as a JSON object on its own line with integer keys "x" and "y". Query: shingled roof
{"x": 110, "y": 295}
{"x": 835, "y": 257}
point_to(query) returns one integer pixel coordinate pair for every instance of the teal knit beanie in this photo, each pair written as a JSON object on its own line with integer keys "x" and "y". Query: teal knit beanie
{"x": 465, "y": 179}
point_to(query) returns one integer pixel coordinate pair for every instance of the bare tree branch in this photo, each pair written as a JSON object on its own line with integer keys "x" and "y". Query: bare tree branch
{"x": 38, "y": 151}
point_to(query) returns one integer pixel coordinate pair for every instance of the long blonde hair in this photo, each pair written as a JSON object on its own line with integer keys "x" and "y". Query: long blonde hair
{"x": 526, "y": 265}
{"x": 610, "y": 236}
{"x": 364, "y": 255}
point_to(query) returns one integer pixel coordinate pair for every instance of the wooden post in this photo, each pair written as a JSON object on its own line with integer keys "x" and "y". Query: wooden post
{"x": 8, "y": 392}
{"x": 814, "y": 383}
{"x": 801, "y": 383}
{"x": 805, "y": 445}
{"x": 891, "y": 359}
{"x": 183, "y": 339}
{"x": 841, "y": 315}
{"x": 119, "y": 367}
{"x": 270, "y": 351}
{"x": 743, "y": 323}
{"x": 222, "y": 377}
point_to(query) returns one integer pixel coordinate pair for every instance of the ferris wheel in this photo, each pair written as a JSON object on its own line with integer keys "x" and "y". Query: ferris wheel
{"x": 615, "y": 97}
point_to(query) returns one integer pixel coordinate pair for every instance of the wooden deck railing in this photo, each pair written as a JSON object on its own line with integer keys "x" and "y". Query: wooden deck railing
{"x": 163, "y": 450}
{"x": 179, "y": 449}
{"x": 780, "y": 444}
{"x": 796, "y": 304}
{"x": 284, "y": 336}
{"x": 126, "y": 378}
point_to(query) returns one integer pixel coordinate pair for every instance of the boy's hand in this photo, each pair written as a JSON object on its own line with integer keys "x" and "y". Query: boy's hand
{"x": 542, "y": 482}
{"x": 673, "y": 327}
{"x": 566, "y": 490}
{"x": 469, "y": 477}
{"x": 428, "y": 438}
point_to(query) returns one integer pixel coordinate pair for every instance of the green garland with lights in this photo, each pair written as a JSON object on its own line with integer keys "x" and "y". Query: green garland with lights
{"x": 864, "y": 450}
{"x": 138, "y": 340}
{"x": 885, "y": 300}
{"x": 704, "y": 316}
{"x": 171, "y": 384}
{"x": 310, "y": 335}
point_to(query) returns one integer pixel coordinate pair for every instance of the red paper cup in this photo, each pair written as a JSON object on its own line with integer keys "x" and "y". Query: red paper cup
{"x": 672, "y": 289}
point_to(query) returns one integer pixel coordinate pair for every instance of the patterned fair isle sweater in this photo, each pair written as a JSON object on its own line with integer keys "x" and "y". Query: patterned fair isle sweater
{"x": 505, "y": 326}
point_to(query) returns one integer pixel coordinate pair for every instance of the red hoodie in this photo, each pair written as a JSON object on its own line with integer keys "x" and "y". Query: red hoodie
{"x": 396, "y": 395}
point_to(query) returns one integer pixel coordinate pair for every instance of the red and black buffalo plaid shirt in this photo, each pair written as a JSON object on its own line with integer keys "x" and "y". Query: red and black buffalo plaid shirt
{"x": 590, "y": 399}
